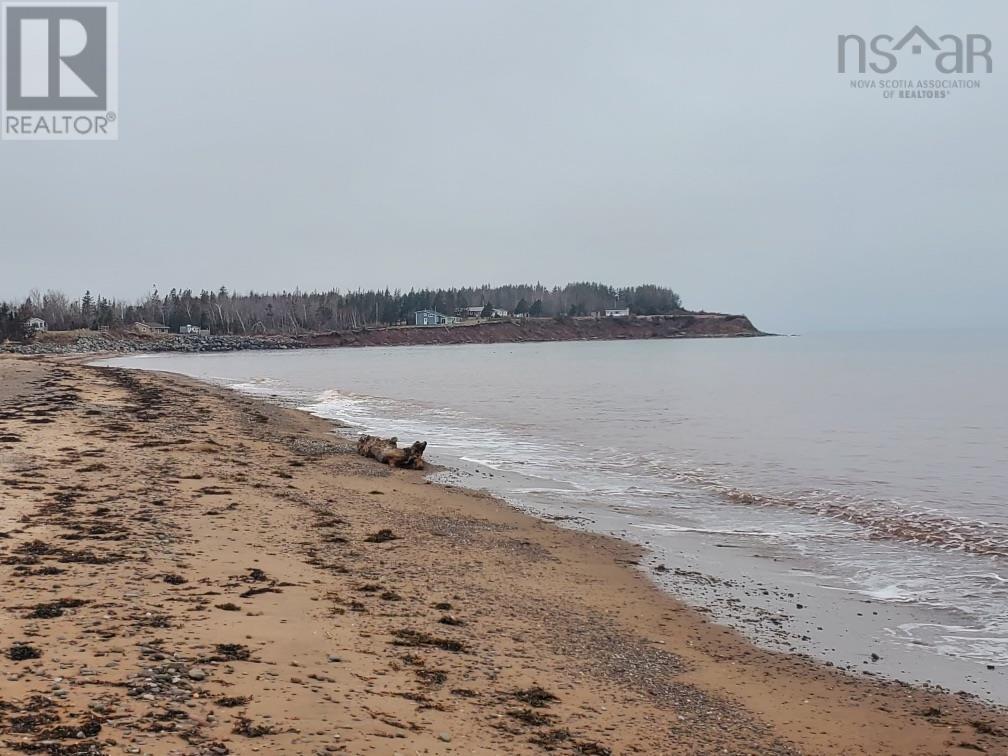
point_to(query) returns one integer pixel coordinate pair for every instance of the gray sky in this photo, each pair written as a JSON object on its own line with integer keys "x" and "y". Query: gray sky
{"x": 710, "y": 146}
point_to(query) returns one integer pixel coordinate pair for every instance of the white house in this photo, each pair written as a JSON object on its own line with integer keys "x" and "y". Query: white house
{"x": 621, "y": 313}
{"x": 36, "y": 324}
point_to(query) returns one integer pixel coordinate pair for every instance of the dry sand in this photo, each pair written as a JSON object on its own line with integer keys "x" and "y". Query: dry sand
{"x": 190, "y": 571}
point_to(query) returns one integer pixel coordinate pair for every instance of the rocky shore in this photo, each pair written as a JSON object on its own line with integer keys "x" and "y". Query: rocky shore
{"x": 689, "y": 325}
{"x": 127, "y": 344}
{"x": 189, "y": 571}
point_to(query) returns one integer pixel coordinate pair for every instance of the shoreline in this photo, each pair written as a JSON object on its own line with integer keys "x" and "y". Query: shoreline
{"x": 632, "y": 666}
{"x": 738, "y": 584}
{"x": 758, "y": 587}
{"x": 545, "y": 330}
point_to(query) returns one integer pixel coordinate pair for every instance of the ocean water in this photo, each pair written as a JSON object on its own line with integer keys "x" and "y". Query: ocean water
{"x": 836, "y": 495}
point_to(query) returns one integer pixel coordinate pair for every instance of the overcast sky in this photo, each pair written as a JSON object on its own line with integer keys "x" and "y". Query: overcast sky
{"x": 710, "y": 146}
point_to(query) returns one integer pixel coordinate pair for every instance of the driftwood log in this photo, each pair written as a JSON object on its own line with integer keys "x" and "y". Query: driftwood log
{"x": 387, "y": 450}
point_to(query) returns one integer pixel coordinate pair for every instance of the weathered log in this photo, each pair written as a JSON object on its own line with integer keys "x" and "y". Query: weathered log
{"x": 387, "y": 450}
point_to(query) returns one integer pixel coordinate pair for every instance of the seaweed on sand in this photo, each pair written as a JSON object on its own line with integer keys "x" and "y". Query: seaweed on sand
{"x": 536, "y": 697}
{"x": 23, "y": 652}
{"x": 407, "y": 637}
{"x": 53, "y": 609}
{"x": 248, "y": 728}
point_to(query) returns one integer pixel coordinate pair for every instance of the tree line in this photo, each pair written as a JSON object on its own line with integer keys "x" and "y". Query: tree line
{"x": 227, "y": 312}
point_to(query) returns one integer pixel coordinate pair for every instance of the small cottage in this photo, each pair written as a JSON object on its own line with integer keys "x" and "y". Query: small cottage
{"x": 150, "y": 328}
{"x": 36, "y": 325}
{"x": 432, "y": 318}
{"x": 477, "y": 312}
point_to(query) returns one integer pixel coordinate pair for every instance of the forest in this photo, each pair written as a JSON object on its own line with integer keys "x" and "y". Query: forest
{"x": 226, "y": 312}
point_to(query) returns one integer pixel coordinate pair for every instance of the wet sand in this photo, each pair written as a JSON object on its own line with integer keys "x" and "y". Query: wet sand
{"x": 192, "y": 571}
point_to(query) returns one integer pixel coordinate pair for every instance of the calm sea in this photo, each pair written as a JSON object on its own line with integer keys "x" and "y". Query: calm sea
{"x": 838, "y": 495}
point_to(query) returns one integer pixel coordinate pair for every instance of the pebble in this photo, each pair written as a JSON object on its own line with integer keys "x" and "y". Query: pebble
{"x": 197, "y": 674}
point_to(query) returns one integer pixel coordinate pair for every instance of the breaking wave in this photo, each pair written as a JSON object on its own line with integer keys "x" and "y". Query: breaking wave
{"x": 889, "y": 520}
{"x": 610, "y": 474}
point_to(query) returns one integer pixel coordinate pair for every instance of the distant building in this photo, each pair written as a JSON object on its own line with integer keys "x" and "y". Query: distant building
{"x": 191, "y": 330}
{"x": 151, "y": 328}
{"x": 477, "y": 312}
{"x": 433, "y": 318}
{"x": 620, "y": 313}
{"x": 36, "y": 324}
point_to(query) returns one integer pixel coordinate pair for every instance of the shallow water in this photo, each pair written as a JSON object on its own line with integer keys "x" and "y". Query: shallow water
{"x": 865, "y": 473}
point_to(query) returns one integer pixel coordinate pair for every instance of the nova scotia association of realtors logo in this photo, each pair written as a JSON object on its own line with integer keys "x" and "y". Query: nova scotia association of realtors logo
{"x": 934, "y": 66}
{"x": 60, "y": 70}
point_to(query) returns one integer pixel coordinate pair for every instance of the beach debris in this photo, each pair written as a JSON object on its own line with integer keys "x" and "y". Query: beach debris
{"x": 432, "y": 677}
{"x": 554, "y": 738}
{"x": 382, "y": 536}
{"x": 536, "y": 697}
{"x": 23, "y": 652}
{"x": 29, "y": 723}
{"x": 258, "y": 592}
{"x": 387, "y": 450}
{"x": 245, "y": 726}
{"x": 53, "y": 609}
{"x": 231, "y": 702}
{"x": 529, "y": 717}
{"x": 591, "y": 748}
{"x": 232, "y": 652}
{"x": 409, "y": 637}
{"x": 986, "y": 728}
{"x": 255, "y": 575}
{"x": 248, "y": 728}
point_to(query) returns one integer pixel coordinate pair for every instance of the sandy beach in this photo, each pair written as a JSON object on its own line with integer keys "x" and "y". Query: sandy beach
{"x": 191, "y": 571}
